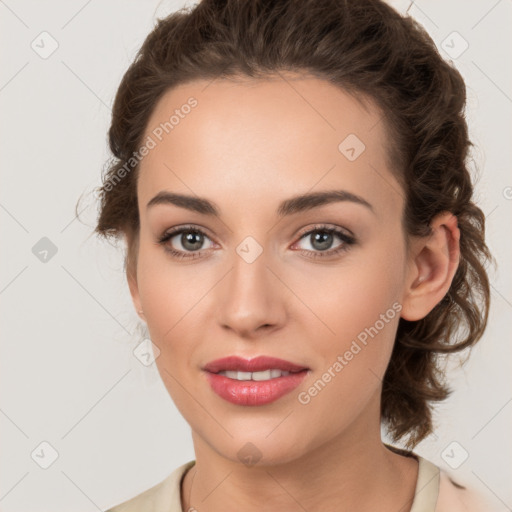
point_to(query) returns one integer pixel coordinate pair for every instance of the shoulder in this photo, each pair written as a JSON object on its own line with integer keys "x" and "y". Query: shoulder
{"x": 438, "y": 491}
{"x": 164, "y": 496}
{"x": 454, "y": 497}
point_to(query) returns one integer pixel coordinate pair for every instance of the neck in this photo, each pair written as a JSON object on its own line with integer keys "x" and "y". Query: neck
{"x": 353, "y": 471}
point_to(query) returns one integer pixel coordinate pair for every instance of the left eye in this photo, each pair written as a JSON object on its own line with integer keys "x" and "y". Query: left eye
{"x": 321, "y": 239}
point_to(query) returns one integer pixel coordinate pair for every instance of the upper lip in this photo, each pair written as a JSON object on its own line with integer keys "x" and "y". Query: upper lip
{"x": 256, "y": 364}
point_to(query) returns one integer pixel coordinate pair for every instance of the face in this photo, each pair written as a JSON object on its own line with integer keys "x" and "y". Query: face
{"x": 318, "y": 283}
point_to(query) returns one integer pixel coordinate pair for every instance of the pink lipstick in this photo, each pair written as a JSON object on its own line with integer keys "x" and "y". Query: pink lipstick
{"x": 256, "y": 381}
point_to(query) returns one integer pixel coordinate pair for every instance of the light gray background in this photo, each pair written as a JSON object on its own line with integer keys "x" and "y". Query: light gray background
{"x": 68, "y": 375}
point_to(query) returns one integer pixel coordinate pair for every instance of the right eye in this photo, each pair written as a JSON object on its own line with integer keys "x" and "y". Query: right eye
{"x": 189, "y": 240}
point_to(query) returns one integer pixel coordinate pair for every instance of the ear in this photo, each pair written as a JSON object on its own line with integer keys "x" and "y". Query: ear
{"x": 433, "y": 262}
{"x": 131, "y": 277}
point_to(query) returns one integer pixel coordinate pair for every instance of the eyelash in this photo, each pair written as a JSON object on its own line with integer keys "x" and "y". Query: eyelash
{"x": 321, "y": 228}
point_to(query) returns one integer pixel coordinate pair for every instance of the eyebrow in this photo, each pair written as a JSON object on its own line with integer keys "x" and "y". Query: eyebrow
{"x": 290, "y": 206}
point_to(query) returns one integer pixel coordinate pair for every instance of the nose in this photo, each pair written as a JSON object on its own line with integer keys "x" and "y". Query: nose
{"x": 251, "y": 299}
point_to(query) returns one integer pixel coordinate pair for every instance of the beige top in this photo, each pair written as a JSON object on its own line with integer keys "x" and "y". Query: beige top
{"x": 434, "y": 492}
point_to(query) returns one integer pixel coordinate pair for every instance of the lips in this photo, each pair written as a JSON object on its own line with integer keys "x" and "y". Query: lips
{"x": 256, "y": 364}
{"x": 246, "y": 386}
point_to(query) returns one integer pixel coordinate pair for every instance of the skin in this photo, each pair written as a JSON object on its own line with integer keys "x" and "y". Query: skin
{"x": 247, "y": 146}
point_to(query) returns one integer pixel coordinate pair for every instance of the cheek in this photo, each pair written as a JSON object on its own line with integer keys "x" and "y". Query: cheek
{"x": 168, "y": 292}
{"x": 353, "y": 361}
{"x": 359, "y": 307}
{"x": 352, "y": 296}
{"x": 171, "y": 299}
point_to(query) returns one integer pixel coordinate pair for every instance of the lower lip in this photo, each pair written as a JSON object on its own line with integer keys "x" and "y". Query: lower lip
{"x": 251, "y": 392}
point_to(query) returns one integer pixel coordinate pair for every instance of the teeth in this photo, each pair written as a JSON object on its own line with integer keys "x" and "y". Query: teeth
{"x": 277, "y": 373}
{"x": 263, "y": 375}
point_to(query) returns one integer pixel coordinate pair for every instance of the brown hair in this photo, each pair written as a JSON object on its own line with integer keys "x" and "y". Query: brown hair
{"x": 370, "y": 51}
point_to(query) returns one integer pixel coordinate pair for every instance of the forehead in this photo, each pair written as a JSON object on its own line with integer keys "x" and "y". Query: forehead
{"x": 267, "y": 136}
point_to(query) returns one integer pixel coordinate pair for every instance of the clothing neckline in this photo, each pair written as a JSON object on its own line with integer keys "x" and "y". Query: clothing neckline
{"x": 426, "y": 490}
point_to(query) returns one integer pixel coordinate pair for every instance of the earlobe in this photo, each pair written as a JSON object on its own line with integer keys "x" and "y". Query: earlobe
{"x": 434, "y": 261}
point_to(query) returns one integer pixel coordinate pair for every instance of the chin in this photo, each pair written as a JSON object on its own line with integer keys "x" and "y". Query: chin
{"x": 260, "y": 450}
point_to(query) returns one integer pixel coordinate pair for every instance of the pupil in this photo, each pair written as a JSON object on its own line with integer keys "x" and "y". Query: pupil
{"x": 324, "y": 239}
{"x": 188, "y": 240}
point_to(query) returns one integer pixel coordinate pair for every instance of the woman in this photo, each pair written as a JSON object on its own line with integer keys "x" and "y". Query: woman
{"x": 290, "y": 179}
